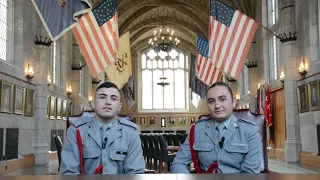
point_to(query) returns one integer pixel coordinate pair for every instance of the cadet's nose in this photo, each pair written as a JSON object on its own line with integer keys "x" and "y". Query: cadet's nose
{"x": 107, "y": 102}
{"x": 217, "y": 105}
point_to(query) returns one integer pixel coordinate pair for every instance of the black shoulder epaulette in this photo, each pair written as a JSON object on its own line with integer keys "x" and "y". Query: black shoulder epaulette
{"x": 81, "y": 121}
{"x": 126, "y": 122}
{"x": 246, "y": 121}
{"x": 203, "y": 120}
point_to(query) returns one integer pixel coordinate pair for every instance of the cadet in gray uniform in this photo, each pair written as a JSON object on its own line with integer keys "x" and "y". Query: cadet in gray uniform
{"x": 108, "y": 142}
{"x": 234, "y": 144}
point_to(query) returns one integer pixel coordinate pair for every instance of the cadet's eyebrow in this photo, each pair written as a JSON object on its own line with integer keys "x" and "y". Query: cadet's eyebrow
{"x": 222, "y": 96}
{"x": 114, "y": 96}
{"x": 103, "y": 94}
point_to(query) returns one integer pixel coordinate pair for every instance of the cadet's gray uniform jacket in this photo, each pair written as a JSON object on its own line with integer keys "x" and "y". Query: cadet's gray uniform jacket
{"x": 241, "y": 151}
{"x": 122, "y": 154}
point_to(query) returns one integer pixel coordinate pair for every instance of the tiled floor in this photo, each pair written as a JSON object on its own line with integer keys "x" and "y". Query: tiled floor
{"x": 274, "y": 165}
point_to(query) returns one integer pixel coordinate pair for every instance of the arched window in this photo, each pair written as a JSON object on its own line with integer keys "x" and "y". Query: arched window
{"x": 273, "y": 6}
{"x": 3, "y": 30}
{"x": 54, "y": 62}
{"x": 164, "y": 80}
{"x": 274, "y": 57}
{"x": 273, "y": 12}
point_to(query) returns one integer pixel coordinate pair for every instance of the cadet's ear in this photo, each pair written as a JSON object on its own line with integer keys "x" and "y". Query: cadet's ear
{"x": 120, "y": 107}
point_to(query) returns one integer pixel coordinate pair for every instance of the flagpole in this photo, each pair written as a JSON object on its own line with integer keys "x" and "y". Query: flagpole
{"x": 270, "y": 31}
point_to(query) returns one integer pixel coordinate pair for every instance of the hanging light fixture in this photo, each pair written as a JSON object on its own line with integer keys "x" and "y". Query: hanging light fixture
{"x": 30, "y": 73}
{"x": 163, "y": 84}
{"x": 163, "y": 40}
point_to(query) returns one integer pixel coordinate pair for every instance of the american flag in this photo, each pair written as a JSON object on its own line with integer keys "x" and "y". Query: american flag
{"x": 230, "y": 36}
{"x": 207, "y": 73}
{"x": 98, "y": 36}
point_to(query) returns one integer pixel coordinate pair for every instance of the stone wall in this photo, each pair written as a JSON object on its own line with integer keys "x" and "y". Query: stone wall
{"x": 32, "y": 133}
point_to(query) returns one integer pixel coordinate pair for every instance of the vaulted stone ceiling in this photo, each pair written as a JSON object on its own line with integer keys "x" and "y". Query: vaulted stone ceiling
{"x": 188, "y": 18}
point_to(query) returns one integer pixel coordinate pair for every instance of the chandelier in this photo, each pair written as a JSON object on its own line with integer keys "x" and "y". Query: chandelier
{"x": 163, "y": 84}
{"x": 163, "y": 40}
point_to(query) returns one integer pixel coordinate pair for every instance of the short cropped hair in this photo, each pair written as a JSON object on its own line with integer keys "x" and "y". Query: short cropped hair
{"x": 222, "y": 84}
{"x": 107, "y": 85}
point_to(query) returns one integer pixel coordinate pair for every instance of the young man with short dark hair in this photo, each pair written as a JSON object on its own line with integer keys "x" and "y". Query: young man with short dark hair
{"x": 110, "y": 144}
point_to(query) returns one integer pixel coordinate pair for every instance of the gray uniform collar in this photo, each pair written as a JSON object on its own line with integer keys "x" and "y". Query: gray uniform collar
{"x": 231, "y": 130}
{"x": 94, "y": 131}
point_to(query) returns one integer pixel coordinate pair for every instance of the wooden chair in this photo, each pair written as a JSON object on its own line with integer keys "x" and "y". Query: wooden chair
{"x": 261, "y": 122}
{"x": 58, "y": 144}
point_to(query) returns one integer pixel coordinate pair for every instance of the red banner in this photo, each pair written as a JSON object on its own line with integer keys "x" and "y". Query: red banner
{"x": 267, "y": 108}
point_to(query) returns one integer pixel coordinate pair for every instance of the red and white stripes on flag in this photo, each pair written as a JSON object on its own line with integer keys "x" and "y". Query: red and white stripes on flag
{"x": 98, "y": 38}
{"x": 230, "y": 36}
{"x": 207, "y": 72}
{"x": 114, "y": 22}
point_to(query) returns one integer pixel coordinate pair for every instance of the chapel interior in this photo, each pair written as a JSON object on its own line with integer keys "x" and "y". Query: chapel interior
{"x": 45, "y": 83}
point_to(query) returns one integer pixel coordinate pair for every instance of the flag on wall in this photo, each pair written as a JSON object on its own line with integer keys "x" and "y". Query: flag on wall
{"x": 97, "y": 35}
{"x": 230, "y": 36}
{"x": 192, "y": 75}
{"x": 207, "y": 72}
{"x": 120, "y": 71}
{"x": 267, "y": 108}
{"x": 258, "y": 101}
{"x": 128, "y": 91}
{"x": 262, "y": 98}
{"x": 196, "y": 85}
{"x": 59, "y": 16}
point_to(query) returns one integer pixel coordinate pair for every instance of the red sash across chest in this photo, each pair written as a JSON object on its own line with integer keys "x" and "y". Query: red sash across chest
{"x": 99, "y": 169}
{"x": 213, "y": 167}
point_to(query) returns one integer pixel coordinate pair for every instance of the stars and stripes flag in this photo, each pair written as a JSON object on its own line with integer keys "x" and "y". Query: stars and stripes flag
{"x": 98, "y": 36}
{"x": 60, "y": 16}
{"x": 230, "y": 36}
{"x": 207, "y": 73}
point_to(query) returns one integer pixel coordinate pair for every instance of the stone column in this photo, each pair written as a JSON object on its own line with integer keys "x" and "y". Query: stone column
{"x": 253, "y": 86}
{"x": 76, "y": 67}
{"x": 94, "y": 88}
{"x": 233, "y": 86}
{"x": 240, "y": 85}
{"x": 265, "y": 43}
{"x": 41, "y": 125}
{"x": 66, "y": 56}
{"x": 288, "y": 50}
{"x": 75, "y": 84}
{"x": 252, "y": 65}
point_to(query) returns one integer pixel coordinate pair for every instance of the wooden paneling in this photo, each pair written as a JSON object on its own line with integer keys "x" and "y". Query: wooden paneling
{"x": 310, "y": 159}
{"x": 279, "y": 118}
{"x": 279, "y": 154}
{"x": 24, "y": 162}
{"x": 276, "y": 153}
{"x": 278, "y": 129}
